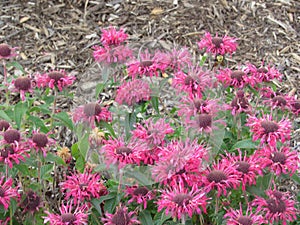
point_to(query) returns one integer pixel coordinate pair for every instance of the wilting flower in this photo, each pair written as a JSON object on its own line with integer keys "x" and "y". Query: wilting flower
{"x": 40, "y": 142}
{"x": 179, "y": 162}
{"x": 65, "y": 154}
{"x": 220, "y": 177}
{"x": 12, "y": 153}
{"x": 277, "y": 207}
{"x": 139, "y": 194}
{"x": 235, "y": 78}
{"x": 68, "y": 214}
{"x": 280, "y": 161}
{"x": 194, "y": 82}
{"x": 264, "y": 74}
{"x": 112, "y": 54}
{"x": 153, "y": 132}
{"x": 83, "y": 186}
{"x": 4, "y": 125}
{"x": 239, "y": 104}
{"x": 31, "y": 202}
{"x": 295, "y": 107}
{"x": 112, "y": 36}
{"x": 179, "y": 200}
{"x": 133, "y": 92}
{"x": 7, "y": 192}
{"x": 23, "y": 85}
{"x": 218, "y": 45}
{"x": 121, "y": 216}
{"x": 237, "y": 217}
{"x": 7, "y": 52}
{"x": 147, "y": 65}
{"x": 268, "y": 130}
{"x": 54, "y": 79}
{"x": 247, "y": 168}
{"x": 96, "y": 138}
{"x": 91, "y": 113}
{"x": 11, "y": 136}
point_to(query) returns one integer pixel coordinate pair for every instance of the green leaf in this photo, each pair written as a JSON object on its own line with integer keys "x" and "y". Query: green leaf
{"x": 23, "y": 169}
{"x": 4, "y": 116}
{"x": 16, "y": 65}
{"x": 160, "y": 218}
{"x": 109, "y": 128}
{"x": 38, "y": 123}
{"x": 55, "y": 158}
{"x": 19, "y": 112}
{"x": 46, "y": 170}
{"x": 145, "y": 218}
{"x": 202, "y": 60}
{"x": 247, "y": 144}
{"x": 80, "y": 164}
{"x": 140, "y": 174}
{"x": 75, "y": 150}
{"x": 99, "y": 88}
{"x": 105, "y": 73}
{"x": 84, "y": 145}
{"x": 155, "y": 103}
{"x": 64, "y": 118}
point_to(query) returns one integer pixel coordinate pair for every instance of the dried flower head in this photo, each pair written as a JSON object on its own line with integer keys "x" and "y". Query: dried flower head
{"x": 23, "y": 85}
{"x": 7, "y": 52}
{"x": 4, "y": 125}
{"x": 65, "y": 154}
{"x": 31, "y": 202}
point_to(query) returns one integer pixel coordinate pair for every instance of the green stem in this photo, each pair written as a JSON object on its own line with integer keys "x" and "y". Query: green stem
{"x": 10, "y": 215}
{"x": 183, "y": 219}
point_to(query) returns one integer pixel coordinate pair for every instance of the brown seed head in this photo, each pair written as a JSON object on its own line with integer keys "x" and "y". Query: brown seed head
{"x": 217, "y": 41}
{"x": 276, "y": 205}
{"x": 23, "y": 83}
{"x": 180, "y": 199}
{"x": 120, "y": 218}
{"x": 199, "y": 102}
{"x": 279, "y": 100}
{"x": 204, "y": 120}
{"x": 12, "y": 135}
{"x": 5, "y": 50}
{"x": 40, "y": 140}
{"x": 56, "y": 76}
{"x": 7, "y": 151}
{"x": 146, "y": 63}
{"x": 32, "y": 201}
{"x": 217, "y": 176}
{"x": 2, "y": 192}
{"x": 188, "y": 80}
{"x": 262, "y": 70}
{"x": 123, "y": 151}
{"x": 4, "y": 125}
{"x": 91, "y": 109}
{"x": 238, "y": 74}
{"x": 244, "y": 220}
{"x": 141, "y": 191}
{"x": 269, "y": 126}
{"x": 278, "y": 157}
{"x": 243, "y": 166}
{"x": 68, "y": 218}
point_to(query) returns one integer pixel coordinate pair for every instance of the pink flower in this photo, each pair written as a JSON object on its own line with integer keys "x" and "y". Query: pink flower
{"x": 68, "y": 214}
{"x": 7, "y": 192}
{"x": 283, "y": 102}
{"x": 280, "y": 161}
{"x": 221, "y": 176}
{"x": 218, "y": 45}
{"x": 147, "y": 65}
{"x": 4, "y": 222}
{"x": 247, "y": 168}
{"x": 295, "y": 106}
{"x": 133, "y": 92}
{"x": 194, "y": 82}
{"x": 237, "y": 217}
{"x": 11, "y": 136}
{"x": 179, "y": 162}
{"x": 121, "y": 216}
{"x": 268, "y": 130}
{"x": 239, "y": 104}
{"x": 264, "y": 74}
{"x": 112, "y": 36}
{"x": 277, "y": 207}
{"x": 4, "y": 125}
{"x": 41, "y": 142}
{"x": 235, "y": 78}
{"x": 139, "y": 194}
{"x": 13, "y": 153}
{"x": 112, "y": 54}
{"x": 22, "y": 85}
{"x": 91, "y": 113}
{"x": 153, "y": 132}
{"x": 83, "y": 186}
{"x": 7, "y": 52}
{"x": 54, "y": 79}
{"x": 179, "y": 201}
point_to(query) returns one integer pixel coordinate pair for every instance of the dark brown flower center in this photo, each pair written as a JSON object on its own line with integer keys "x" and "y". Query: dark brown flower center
{"x": 238, "y": 75}
{"x": 10, "y": 136}
{"x": 40, "y": 140}
{"x": 4, "y": 125}
{"x": 68, "y": 218}
{"x": 217, "y": 176}
{"x": 240, "y": 103}
{"x": 146, "y": 63}
{"x": 181, "y": 199}
{"x": 276, "y": 205}
{"x": 278, "y": 157}
{"x": 91, "y": 109}
{"x": 7, "y": 151}
{"x": 188, "y": 80}
{"x": 269, "y": 126}
{"x": 198, "y": 103}
{"x": 262, "y": 70}
{"x": 32, "y": 201}
{"x": 243, "y": 166}
{"x": 217, "y": 41}
{"x": 141, "y": 191}
{"x": 5, "y": 50}
{"x": 244, "y": 220}
{"x": 23, "y": 83}
{"x": 123, "y": 151}
{"x": 240, "y": 94}
{"x": 56, "y": 76}
{"x": 2, "y": 192}
{"x": 277, "y": 194}
{"x": 279, "y": 100}
{"x": 204, "y": 120}
{"x": 120, "y": 218}
{"x": 296, "y": 105}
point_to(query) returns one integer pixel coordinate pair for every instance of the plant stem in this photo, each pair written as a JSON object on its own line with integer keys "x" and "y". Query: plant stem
{"x": 183, "y": 220}
{"x": 10, "y": 215}
{"x": 54, "y": 108}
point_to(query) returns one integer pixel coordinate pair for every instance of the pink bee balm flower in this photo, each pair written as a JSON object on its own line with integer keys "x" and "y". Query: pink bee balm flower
{"x": 264, "y": 74}
{"x": 7, "y": 52}
{"x": 54, "y": 79}
{"x": 121, "y": 216}
{"x": 41, "y": 142}
{"x": 153, "y": 132}
{"x": 68, "y": 214}
{"x": 148, "y": 65}
{"x": 7, "y": 192}
{"x": 237, "y": 217}
{"x": 22, "y": 85}
{"x": 83, "y": 186}
{"x": 194, "y": 82}
{"x": 283, "y": 102}
{"x": 179, "y": 200}
{"x": 280, "y": 161}
{"x": 239, "y": 104}
{"x": 112, "y": 36}
{"x": 91, "y": 113}
{"x": 13, "y": 153}
{"x": 179, "y": 162}
{"x": 221, "y": 176}
{"x": 268, "y": 130}
{"x": 112, "y": 54}
{"x": 235, "y": 78}
{"x": 4, "y": 222}
{"x": 295, "y": 106}
{"x": 218, "y": 45}
{"x": 277, "y": 207}
{"x": 139, "y": 194}
{"x": 133, "y": 92}
{"x": 11, "y": 136}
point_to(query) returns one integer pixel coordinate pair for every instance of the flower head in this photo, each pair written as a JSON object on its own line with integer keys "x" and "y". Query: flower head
{"x": 23, "y": 85}
{"x": 65, "y": 154}
{"x": 41, "y": 142}
{"x": 112, "y": 36}
{"x": 264, "y": 74}
{"x": 133, "y": 92}
{"x": 218, "y": 45}
{"x": 179, "y": 200}
{"x": 7, "y": 52}
{"x": 139, "y": 194}
{"x": 7, "y": 191}
{"x": 295, "y": 106}
{"x": 83, "y": 186}
{"x": 235, "y": 78}
{"x": 112, "y": 54}
{"x": 4, "y": 125}
{"x": 68, "y": 214}
{"x": 239, "y": 104}
{"x": 54, "y": 79}
{"x": 13, "y": 153}
{"x": 121, "y": 216}
{"x": 31, "y": 202}
{"x": 11, "y": 136}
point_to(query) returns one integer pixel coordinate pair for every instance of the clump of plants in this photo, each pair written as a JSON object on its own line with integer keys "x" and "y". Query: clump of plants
{"x": 183, "y": 140}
